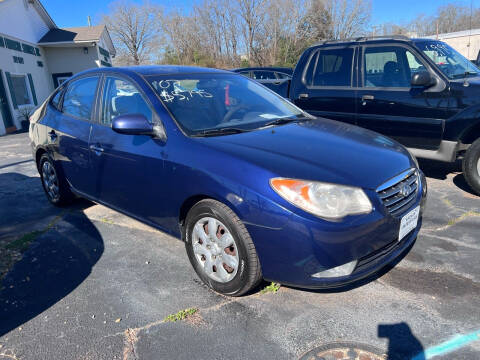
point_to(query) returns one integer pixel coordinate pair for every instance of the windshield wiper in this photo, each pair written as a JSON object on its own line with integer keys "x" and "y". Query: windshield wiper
{"x": 465, "y": 74}
{"x": 220, "y": 131}
{"x": 284, "y": 120}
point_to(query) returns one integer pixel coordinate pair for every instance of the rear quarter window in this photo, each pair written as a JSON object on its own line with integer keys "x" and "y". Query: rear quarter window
{"x": 55, "y": 100}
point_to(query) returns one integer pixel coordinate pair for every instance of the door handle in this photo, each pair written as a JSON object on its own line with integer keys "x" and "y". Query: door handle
{"x": 98, "y": 150}
{"x": 53, "y": 135}
{"x": 302, "y": 96}
{"x": 367, "y": 97}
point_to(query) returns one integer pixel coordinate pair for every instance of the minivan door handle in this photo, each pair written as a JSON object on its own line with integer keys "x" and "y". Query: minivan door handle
{"x": 302, "y": 96}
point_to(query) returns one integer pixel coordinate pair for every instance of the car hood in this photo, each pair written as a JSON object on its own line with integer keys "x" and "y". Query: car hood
{"x": 320, "y": 149}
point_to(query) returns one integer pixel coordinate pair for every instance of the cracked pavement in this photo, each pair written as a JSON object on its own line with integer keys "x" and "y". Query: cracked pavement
{"x": 97, "y": 285}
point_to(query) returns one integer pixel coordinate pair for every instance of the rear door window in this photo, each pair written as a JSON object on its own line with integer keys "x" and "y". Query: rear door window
{"x": 79, "y": 98}
{"x": 331, "y": 67}
{"x": 282, "y": 76}
{"x": 264, "y": 75}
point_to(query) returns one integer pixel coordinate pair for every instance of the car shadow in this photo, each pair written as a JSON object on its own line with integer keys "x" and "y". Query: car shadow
{"x": 402, "y": 344}
{"x": 439, "y": 170}
{"x": 65, "y": 245}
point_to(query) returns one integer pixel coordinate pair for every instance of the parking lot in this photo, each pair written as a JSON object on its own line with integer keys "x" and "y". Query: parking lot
{"x": 95, "y": 284}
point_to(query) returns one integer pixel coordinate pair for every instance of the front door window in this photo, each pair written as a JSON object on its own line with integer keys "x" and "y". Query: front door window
{"x": 390, "y": 67}
{"x": 121, "y": 97}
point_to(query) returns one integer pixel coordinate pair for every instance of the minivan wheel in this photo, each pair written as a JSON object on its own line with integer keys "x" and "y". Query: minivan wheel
{"x": 54, "y": 184}
{"x": 220, "y": 249}
{"x": 471, "y": 166}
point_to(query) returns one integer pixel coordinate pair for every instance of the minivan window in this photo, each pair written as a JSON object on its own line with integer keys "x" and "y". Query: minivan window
{"x": 331, "y": 67}
{"x": 121, "y": 97}
{"x": 79, "y": 97}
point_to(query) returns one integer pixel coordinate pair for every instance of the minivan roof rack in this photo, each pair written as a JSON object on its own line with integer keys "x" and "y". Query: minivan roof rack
{"x": 364, "y": 38}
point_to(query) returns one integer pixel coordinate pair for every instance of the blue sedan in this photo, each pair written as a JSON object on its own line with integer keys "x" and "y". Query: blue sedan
{"x": 254, "y": 186}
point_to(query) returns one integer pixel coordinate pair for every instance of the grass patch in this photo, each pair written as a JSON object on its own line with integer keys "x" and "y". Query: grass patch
{"x": 273, "y": 287}
{"x": 181, "y": 315}
{"x": 11, "y": 252}
{"x": 447, "y": 202}
{"x": 21, "y": 244}
{"x": 462, "y": 217}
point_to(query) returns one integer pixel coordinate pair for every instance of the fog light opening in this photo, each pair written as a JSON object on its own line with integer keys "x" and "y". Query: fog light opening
{"x": 339, "y": 271}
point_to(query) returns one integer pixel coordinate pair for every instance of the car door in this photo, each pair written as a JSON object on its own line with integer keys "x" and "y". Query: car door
{"x": 127, "y": 168}
{"x": 328, "y": 85}
{"x": 68, "y": 132}
{"x": 389, "y": 105}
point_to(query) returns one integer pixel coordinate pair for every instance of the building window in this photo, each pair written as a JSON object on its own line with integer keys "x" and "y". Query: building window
{"x": 20, "y": 90}
{"x": 14, "y": 45}
{"x": 28, "y": 49}
{"x": 18, "y": 59}
{"x": 40, "y": 64}
{"x": 104, "y": 52}
{"x": 2, "y": 43}
{"x": 37, "y": 52}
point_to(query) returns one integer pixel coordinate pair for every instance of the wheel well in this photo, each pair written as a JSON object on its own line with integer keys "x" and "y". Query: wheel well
{"x": 187, "y": 205}
{"x": 471, "y": 134}
{"x": 38, "y": 155}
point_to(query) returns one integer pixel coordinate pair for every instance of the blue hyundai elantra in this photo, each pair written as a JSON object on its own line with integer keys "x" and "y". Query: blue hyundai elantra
{"x": 256, "y": 187}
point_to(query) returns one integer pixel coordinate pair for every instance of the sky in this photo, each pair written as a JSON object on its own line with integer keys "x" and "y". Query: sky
{"x": 69, "y": 13}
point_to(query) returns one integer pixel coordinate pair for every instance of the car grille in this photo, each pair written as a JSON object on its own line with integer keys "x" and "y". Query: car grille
{"x": 398, "y": 193}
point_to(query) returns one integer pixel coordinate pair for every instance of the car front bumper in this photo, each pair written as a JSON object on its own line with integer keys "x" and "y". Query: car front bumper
{"x": 305, "y": 246}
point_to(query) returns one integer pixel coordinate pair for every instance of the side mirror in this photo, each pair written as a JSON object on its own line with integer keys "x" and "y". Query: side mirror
{"x": 422, "y": 79}
{"x": 132, "y": 124}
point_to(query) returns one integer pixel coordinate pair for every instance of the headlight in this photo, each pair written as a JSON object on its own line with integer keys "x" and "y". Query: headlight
{"x": 328, "y": 201}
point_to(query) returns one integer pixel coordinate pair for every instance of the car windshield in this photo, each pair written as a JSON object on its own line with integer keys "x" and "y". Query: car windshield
{"x": 222, "y": 103}
{"x": 453, "y": 64}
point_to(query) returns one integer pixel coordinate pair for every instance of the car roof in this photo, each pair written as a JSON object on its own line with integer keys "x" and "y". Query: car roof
{"x": 370, "y": 40}
{"x": 146, "y": 70}
{"x": 268, "y": 68}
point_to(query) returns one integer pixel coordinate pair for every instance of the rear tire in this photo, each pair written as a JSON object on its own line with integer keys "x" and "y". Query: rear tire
{"x": 471, "y": 166}
{"x": 54, "y": 183}
{"x": 230, "y": 247}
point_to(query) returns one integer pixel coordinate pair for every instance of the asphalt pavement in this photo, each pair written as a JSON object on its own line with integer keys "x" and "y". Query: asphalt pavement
{"x": 95, "y": 284}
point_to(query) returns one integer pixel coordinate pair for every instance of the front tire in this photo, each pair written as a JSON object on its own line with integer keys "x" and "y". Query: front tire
{"x": 471, "y": 166}
{"x": 220, "y": 249}
{"x": 54, "y": 183}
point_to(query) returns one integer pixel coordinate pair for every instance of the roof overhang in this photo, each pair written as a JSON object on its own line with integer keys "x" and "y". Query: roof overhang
{"x": 69, "y": 44}
{"x": 43, "y": 13}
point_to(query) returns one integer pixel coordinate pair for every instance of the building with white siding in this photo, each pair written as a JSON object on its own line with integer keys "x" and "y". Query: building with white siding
{"x": 465, "y": 42}
{"x": 36, "y": 56}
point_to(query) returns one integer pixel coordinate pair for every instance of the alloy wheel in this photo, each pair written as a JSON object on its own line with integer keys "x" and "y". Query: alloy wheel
{"x": 50, "y": 180}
